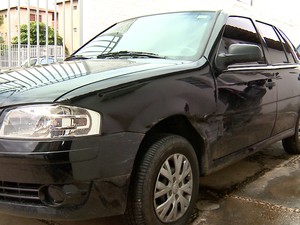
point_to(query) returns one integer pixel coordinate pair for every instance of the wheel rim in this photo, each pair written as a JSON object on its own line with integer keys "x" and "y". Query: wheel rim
{"x": 173, "y": 188}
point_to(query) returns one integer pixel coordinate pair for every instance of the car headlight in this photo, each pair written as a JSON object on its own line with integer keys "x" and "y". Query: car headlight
{"x": 48, "y": 121}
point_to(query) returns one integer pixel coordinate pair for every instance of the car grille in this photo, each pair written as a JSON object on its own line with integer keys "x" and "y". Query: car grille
{"x": 19, "y": 193}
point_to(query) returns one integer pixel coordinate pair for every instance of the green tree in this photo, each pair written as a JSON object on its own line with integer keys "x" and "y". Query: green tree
{"x": 33, "y": 35}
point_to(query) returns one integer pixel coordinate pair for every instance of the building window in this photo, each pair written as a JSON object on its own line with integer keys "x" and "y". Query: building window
{"x": 32, "y": 17}
{"x": 75, "y": 7}
{"x": 75, "y": 29}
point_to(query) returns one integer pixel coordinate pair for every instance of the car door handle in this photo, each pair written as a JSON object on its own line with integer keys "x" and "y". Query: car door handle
{"x": 270, "y": 84}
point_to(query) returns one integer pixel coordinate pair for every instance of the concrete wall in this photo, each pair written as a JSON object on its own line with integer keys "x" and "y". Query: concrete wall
{"x": 97, "y": 15}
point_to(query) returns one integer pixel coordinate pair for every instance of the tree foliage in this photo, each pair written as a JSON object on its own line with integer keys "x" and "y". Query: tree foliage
{"x": 33, "y": 35}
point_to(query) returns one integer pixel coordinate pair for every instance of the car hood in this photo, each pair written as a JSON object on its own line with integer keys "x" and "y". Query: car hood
{"x": 44, "y": 84}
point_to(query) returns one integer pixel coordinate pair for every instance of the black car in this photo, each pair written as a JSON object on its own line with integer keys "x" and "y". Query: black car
{"x": 128, "y": 123}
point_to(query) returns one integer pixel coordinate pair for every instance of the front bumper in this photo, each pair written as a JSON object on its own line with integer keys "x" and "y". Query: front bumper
{"x": 74, "y": 179}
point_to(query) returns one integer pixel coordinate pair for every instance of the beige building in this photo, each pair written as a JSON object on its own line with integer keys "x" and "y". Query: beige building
{"x": 14, "y": 15}
{"x": 69, "y": 28}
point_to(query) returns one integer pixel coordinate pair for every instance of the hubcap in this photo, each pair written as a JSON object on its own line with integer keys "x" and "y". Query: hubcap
{"x": 173, "y": 188}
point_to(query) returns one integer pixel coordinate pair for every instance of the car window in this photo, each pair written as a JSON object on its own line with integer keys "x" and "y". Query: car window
{"x": 177, "y": 35}
{"x": 44, "y": 61}
{"x": 239, "y": 30}
{"x": 290, "y": 48}
{"x": 275, "y": 46}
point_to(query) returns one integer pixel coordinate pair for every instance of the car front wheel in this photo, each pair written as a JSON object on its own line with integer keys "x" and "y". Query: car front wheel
{"x": 165, "y": 185}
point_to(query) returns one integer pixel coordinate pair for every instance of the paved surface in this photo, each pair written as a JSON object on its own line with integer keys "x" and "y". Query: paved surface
{"x": 260, "y": 190}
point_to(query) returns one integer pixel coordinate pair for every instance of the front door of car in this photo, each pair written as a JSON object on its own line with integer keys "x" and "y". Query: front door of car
{"x": 247, "y": 94}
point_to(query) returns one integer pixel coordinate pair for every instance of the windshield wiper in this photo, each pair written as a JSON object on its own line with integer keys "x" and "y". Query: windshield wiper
{"x": 72, "y": 57}
{"x": 131, "y": 54}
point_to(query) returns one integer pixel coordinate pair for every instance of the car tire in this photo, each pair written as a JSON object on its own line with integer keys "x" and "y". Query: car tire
{"x": 292, "y": 144}
{"x": 165, "y": 184}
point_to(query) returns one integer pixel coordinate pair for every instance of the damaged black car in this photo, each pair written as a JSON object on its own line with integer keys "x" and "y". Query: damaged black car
{"x": 128, "y": 123}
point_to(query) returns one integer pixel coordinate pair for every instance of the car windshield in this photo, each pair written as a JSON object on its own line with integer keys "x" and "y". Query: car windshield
{"x": 175, "y": 35}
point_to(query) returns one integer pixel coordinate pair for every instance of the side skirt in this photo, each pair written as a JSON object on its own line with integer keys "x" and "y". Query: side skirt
{"x": 225, "y": 161}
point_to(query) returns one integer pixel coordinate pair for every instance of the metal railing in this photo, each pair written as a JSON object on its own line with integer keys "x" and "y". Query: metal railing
{"x": 14, "y": 55}
{"x": 21, "y": 53}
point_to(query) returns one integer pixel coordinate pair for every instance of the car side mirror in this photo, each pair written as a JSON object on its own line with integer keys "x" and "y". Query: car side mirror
{"x": 239, "y": 53}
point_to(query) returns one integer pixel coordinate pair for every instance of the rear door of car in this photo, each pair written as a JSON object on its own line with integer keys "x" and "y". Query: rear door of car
{"x": 283, "y": 62}
{"x": 247, "y": 94}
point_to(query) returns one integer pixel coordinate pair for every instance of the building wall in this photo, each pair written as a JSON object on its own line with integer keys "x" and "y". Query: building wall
{"x": 71, "y": 29}
{"x": 97, "y": 15}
